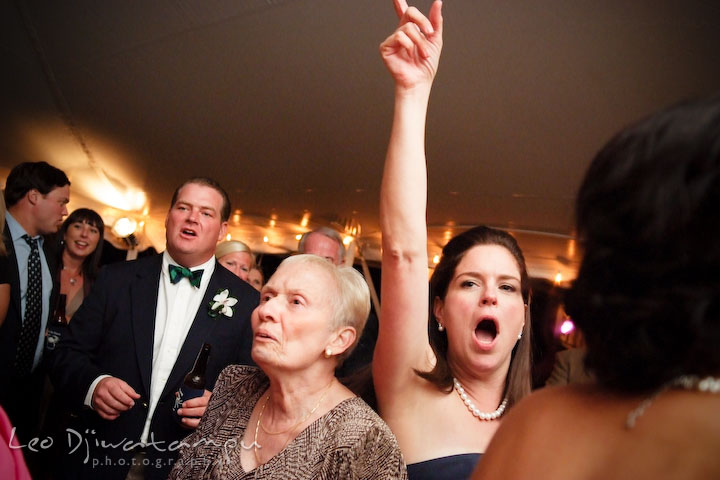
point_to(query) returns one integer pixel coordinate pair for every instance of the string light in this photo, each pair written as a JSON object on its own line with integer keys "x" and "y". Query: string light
{"x": 567, "y": 327}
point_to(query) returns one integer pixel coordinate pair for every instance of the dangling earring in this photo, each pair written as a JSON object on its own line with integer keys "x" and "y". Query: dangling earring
{"x": 327, "y": 353}
{"x": 440, "y": 327}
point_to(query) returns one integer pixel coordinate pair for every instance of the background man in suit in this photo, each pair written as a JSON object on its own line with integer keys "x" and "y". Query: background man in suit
{"x": 327, "y": 243}
{"x": 323, "y": 242}
{"x": 36, "y": 195}
{"x": 137, "y": 335}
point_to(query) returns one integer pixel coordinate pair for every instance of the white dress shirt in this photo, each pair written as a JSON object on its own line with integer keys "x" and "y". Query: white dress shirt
{"x": 176, "y": 309}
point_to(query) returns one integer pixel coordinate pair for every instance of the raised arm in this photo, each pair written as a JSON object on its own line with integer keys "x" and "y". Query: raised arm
{"x": 411, "y": 54}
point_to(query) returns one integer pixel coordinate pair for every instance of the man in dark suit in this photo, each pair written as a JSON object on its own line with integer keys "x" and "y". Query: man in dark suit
{"x": 137, "y": 335}
{"x": 36, "y": 195}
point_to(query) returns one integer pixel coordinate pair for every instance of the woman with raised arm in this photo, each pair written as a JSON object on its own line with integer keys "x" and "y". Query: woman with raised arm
{"x": 443, "y": 395}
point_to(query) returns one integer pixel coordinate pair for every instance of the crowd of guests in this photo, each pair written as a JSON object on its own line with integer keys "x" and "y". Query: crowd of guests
{"x": 450, "y": 379}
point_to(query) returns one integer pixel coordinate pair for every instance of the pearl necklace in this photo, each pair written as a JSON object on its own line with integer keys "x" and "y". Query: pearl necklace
{"x": 474, "y": 410}
{"x": 686, "y": 382}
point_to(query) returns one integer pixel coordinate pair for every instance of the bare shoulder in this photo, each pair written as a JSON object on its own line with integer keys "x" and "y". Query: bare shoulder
{"x": 548, "y": 405}
{"x": 537, "y": 429}
{"x": 580, "y": 432}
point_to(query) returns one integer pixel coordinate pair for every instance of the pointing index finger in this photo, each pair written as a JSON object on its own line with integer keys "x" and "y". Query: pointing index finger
{"x": 400, "y": 7}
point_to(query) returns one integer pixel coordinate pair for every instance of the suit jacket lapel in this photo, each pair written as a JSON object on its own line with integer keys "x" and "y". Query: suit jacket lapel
{"x": 143, "y": 299}
{"x": 15, "y": 272}
{"x": 199, "y": 333}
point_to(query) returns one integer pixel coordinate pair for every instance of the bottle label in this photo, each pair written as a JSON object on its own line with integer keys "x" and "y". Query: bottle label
{"x": 185, "y": 393}
{"x": 52, "y": 338}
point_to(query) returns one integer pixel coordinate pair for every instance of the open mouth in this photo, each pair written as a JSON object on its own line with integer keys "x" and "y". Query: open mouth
{"x": 81, "y": 244}
{"x": 264, "y": 336}
{"x": 186, "y": 231}
{"x": 486, "y": 331}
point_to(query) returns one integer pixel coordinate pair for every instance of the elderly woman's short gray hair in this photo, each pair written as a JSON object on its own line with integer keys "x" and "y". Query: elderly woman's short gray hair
{"x": 352, "y": 306}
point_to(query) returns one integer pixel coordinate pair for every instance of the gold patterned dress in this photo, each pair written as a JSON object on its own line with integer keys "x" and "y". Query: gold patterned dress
{"x": 349, "y": 442}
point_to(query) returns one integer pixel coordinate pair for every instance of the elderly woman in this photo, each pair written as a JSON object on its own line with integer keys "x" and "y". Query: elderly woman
{"x": 293, "y": 419}
{"x": 647, "y": 299}
{"x": 443, "y": 398}
{"x": 236, "y": 257}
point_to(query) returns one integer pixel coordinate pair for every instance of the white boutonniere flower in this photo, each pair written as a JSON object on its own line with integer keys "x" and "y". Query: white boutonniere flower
{"x": 222, "y": 302}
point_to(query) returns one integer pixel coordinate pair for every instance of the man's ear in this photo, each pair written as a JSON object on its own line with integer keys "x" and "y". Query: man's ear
{"x": 33, "y": 196}
{"x": 223, "y": 231}
{"x": 344, "y": 338}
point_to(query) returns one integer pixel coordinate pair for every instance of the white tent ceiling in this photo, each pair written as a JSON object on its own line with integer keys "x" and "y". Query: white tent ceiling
{"x": 288, "y": 104}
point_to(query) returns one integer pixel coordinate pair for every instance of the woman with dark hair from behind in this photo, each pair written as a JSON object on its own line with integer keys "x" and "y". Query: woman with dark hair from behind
{"x": 443, "y": 396}
{"x": 647, "y": 299}
{"x": 81, "y": 234}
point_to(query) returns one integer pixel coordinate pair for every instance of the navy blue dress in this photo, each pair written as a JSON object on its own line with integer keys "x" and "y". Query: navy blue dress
{"x": 454, "y": 467}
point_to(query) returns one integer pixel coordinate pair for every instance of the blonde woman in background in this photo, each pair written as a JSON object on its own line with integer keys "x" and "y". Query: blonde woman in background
{"x": 236, "y": 256}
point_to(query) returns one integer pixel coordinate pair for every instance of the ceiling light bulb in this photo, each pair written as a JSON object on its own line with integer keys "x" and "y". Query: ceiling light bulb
{"x": 124, "y": 227}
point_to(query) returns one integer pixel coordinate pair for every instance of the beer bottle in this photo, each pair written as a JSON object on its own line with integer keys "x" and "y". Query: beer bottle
{"x": 57, "y": 324}
{"x": 194, "y": 383}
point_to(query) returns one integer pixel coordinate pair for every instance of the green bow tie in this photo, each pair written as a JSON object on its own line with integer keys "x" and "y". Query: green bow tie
{"x": 177, "y": 273}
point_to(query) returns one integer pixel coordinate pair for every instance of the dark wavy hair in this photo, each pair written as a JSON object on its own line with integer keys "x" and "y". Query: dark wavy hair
{"x": 41, "y": 176}
{"x": 91, "y": 265}
{"x": 518, "y": 378}
{"x": 647, "y": 296}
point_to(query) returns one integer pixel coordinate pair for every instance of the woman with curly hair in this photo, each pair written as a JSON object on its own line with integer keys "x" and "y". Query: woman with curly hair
{"x": 647, "y": 299}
